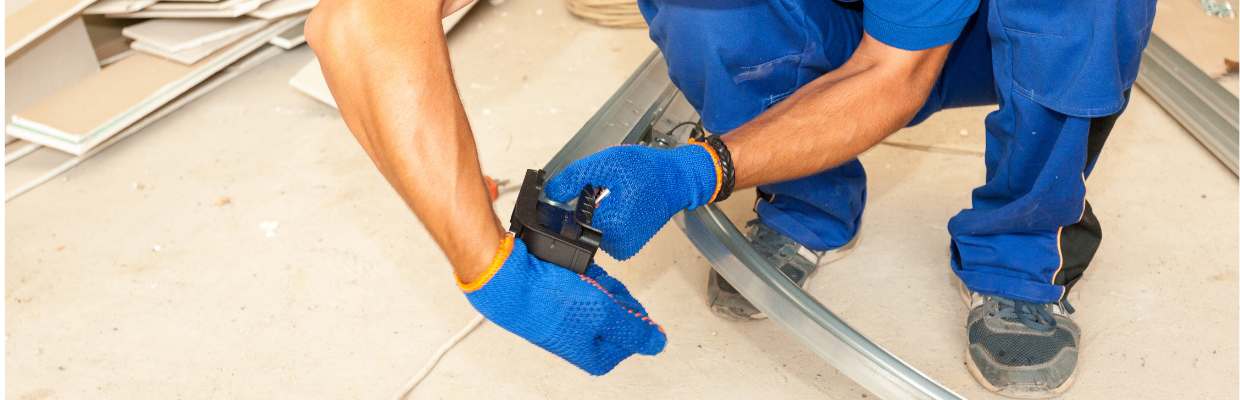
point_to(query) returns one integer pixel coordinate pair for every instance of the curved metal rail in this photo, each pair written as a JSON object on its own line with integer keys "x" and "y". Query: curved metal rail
{"x": 646, "y": 110}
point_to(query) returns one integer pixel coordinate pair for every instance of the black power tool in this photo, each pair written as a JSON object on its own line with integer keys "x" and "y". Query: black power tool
{"x": 560, "y": 234}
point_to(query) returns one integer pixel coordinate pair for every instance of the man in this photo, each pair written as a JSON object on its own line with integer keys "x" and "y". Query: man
{"x": 793, "y": 91}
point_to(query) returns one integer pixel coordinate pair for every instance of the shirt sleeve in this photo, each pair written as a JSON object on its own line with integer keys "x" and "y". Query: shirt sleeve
{"x": 917, "y": 24}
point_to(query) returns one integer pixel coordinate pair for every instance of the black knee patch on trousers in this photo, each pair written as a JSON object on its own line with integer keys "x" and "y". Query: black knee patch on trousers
{"x": 1078, "y": 243}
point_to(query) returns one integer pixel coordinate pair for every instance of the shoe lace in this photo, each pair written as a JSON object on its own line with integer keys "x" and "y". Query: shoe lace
{"x": 1033, "y": 315}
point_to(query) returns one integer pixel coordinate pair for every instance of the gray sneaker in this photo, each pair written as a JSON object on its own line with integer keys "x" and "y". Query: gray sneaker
{"x": 1020, "y": 349}
{"x": 794, "y": 260}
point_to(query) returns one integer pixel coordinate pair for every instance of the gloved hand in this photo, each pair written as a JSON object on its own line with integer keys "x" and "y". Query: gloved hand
{"x": 646, "y": 185}
{"x": 589, "y": 320}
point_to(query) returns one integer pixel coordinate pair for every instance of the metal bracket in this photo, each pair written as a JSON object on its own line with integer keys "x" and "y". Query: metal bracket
{"x": 647, "y": 109}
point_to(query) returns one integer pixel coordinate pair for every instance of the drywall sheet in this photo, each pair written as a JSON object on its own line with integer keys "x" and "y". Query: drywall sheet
{"x": 309, "y": 79}
{"x": 105, "y": 35}
{"x": 283, "y": 8}
{"x": 24, "y": 25}
{"x": 451, "y": 20}
{"x": 56, "y": 61}
{"x": 195, "y": 54}
{"x": 29, "y": 172}
{"x": 80, "y": 117}
{"x": 236, "y": 8}
{"x": 198, "y": 6}
{"x": 13, "y": 5}
{"x": 171, "y": 35}
{"x": 117, "y": 6}
{"x": 291, "y": 38}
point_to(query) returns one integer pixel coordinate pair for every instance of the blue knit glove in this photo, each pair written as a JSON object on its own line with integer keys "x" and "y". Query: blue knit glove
{"x": 647, "y": 187}
{"x": 589, "y": 320}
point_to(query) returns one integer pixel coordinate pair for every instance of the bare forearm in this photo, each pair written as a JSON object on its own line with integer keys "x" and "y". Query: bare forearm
{"x": 836, "y": 117}
{"x": 393, "y": 83}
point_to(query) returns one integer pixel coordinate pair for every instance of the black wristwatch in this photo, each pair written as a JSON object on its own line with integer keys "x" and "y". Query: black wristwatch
{"x": 728, "y": 171}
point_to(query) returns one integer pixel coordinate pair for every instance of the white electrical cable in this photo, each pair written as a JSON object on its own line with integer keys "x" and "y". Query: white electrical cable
{"x": 430, "y": 364}
{"x": 443, "y": 350}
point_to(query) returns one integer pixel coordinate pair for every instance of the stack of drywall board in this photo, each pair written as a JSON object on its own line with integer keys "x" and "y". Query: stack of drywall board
{"x": 78, "y": 118}
{"x": 291, "y": 37}
{"x": 193, "y": 9}
{"x": 24, "y": 24}
{"x": 188, "y": 41}
{"x": 264, "y": 9}
{"x": 54, "y": 62}
{"x": 70, "y": 90}
{"x": 23, "y": 176}
{"x": 282, "y": 8}
{"x": 103, "y": 7}
{"x": 46, "y": 49}
{"x": 60, "y": 97}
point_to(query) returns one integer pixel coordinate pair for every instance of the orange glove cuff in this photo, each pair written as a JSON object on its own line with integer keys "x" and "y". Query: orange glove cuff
{"x": 501, "y": 255}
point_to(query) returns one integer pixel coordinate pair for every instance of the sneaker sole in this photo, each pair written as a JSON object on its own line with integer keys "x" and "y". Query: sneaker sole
{"x": 967, "y": 298}
{"x": 1053, "y": 393}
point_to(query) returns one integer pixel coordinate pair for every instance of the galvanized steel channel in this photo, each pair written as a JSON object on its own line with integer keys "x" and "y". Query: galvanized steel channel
{"x": 644, "y": 110}
{"x": 647, "y": 107}
{"x": 1206, "y": 109}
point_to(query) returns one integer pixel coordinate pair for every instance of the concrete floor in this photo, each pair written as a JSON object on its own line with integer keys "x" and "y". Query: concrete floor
{"x": 128, "y": 279}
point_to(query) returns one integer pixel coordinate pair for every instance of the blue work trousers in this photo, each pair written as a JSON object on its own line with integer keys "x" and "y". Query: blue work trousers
{"x": 1059, "y": 72}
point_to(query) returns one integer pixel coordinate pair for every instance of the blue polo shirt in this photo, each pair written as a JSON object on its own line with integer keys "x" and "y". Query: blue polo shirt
{"x": 916, "y": 24}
